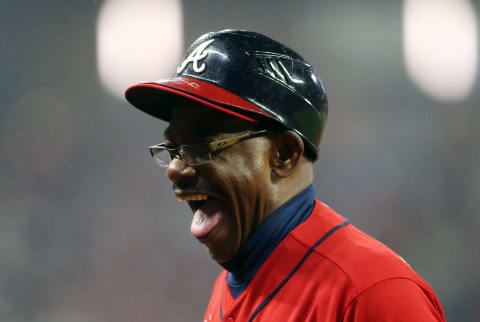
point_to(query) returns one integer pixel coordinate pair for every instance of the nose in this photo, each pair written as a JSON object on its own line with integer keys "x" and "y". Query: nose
{"x": 178, "y": 169}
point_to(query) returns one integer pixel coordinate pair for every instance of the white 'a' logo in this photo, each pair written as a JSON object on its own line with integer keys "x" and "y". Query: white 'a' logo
{"x": 196, "y": 55}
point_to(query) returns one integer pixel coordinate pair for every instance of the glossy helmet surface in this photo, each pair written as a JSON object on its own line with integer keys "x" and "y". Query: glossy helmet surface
{"x": 246, "y": 74}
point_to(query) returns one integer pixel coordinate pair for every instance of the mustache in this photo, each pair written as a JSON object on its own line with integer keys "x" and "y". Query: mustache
{"x": 184, "y": 185}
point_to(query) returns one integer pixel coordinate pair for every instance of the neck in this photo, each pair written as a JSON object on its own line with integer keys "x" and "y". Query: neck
{"x": 266, "y": 238}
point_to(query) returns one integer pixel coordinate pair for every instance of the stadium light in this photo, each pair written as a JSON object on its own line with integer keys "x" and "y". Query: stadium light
{"x": 138, "y": 40}
{"x": 440, "y": 45}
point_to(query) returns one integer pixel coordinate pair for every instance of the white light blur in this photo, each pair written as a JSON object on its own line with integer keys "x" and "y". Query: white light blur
{"x": 138, "y": 40}
{"x": 441, "y": 47}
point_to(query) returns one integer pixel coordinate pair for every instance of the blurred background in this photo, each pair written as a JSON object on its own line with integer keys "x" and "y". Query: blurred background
{"x": 89, "y": 229}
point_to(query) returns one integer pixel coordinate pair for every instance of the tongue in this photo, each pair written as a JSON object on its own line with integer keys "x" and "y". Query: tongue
{"x": 206, "y": 218}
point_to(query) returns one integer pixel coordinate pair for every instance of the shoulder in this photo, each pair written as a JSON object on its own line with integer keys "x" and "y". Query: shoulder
{"x": 376, "y": 275}
{"x": 394, "y": 299}
{"x": 365, "y": 260}
{"x": 362, "y": 258}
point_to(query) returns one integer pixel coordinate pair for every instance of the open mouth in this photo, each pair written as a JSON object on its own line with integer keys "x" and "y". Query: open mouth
{"x": 208, "y": 211}
{"x": 194, "y": 200}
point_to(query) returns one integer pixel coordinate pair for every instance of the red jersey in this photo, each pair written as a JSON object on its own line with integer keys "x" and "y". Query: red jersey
{"x": 328, "y": 270}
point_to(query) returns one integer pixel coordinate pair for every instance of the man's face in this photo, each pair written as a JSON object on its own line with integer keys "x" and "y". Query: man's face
{"x": 237, "y": 182}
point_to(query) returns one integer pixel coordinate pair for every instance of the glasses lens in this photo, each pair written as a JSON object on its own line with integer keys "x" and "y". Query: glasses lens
{"x": 161, "y": 156}
{"x": 195, "y": 155}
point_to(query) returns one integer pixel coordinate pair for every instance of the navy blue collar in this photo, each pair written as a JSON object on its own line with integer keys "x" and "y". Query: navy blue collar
{"x": 255, "y": 251}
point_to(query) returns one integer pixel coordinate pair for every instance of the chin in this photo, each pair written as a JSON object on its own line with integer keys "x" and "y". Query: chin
{"x": 220, "y": 257}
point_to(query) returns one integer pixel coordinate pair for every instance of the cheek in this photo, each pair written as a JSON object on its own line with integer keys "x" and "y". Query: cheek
{"x": 243, "y": 181}
{"x": 246, "y": 180}
{"x": 248, "y": 162}
{"x": 245, "y": 175}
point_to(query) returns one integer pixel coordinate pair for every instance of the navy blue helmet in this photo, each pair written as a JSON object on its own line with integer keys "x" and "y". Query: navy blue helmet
{"x": 248, "y": 75}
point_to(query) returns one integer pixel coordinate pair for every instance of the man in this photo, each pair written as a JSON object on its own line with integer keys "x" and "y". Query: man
{"x": 246, "y": 116}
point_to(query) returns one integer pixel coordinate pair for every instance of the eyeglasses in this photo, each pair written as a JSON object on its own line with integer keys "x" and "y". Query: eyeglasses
{"x": 196, "y": 154}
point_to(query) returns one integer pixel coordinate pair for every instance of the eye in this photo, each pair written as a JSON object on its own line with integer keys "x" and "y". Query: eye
{"x": 194, "y": 155}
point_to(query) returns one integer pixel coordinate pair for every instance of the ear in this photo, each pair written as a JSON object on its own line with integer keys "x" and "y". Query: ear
{"x": 287, "y": 150}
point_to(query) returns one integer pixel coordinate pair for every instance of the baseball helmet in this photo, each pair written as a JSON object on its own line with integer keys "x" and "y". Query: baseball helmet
{"x": 248, "y": 75}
